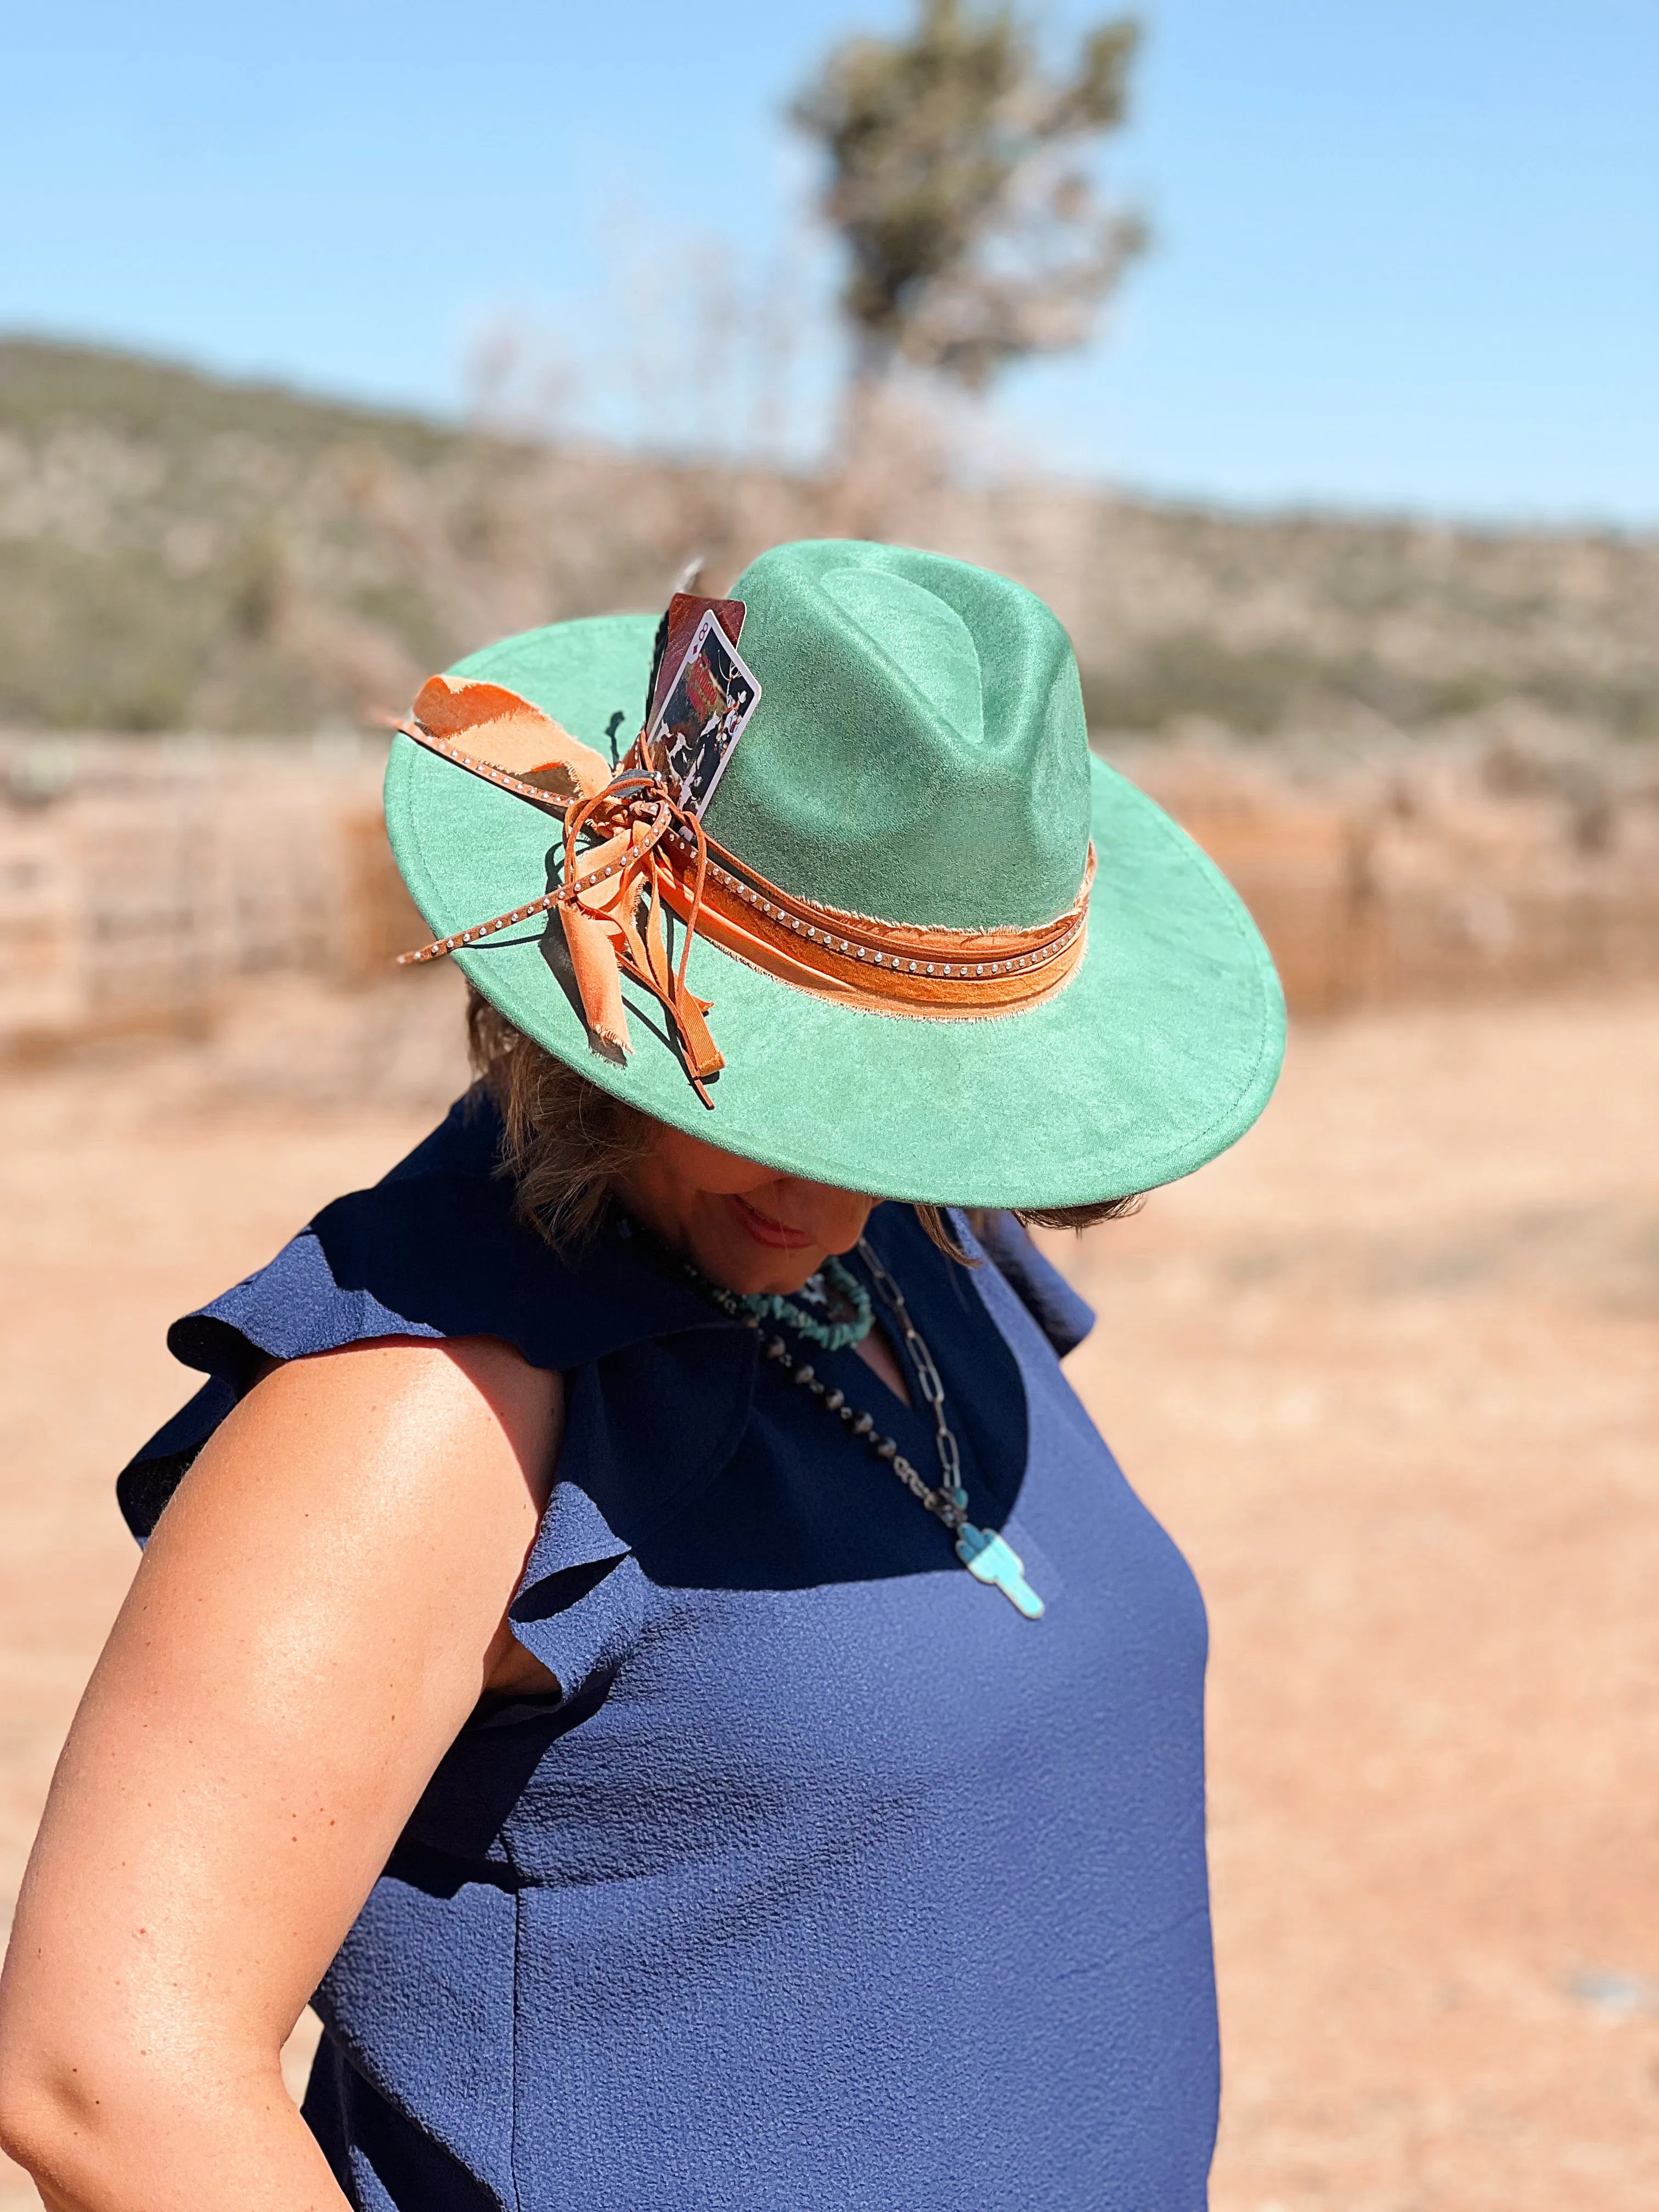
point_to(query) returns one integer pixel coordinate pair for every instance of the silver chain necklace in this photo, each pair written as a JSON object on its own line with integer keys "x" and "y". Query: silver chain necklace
{"x": 988, "y": 1556}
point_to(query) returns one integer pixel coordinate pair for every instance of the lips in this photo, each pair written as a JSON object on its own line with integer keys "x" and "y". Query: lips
{"x": 778, "y": 1235}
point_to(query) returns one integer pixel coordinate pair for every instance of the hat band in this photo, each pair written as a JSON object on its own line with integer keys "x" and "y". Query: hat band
{"x": 888, "y": 967}
{"x": 653, "y": 854}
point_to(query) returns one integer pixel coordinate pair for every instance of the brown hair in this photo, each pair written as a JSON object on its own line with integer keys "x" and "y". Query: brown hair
{"x": 568, "y": 1141}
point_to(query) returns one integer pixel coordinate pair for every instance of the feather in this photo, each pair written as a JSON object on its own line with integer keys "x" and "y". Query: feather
{"x": 498, "y": 727}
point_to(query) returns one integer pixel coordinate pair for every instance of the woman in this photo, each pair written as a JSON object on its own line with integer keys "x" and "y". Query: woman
{"x": 640, "y": 1625}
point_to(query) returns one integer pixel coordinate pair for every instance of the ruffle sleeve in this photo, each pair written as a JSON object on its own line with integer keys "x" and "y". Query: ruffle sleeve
{"x": 658, "y": 1387}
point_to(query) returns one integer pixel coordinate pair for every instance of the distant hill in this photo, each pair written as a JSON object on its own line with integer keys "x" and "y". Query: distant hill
{"x": 177, "y": 552}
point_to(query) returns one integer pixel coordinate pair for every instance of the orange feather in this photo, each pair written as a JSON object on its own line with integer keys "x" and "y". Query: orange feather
{"x": 496, "y": 724}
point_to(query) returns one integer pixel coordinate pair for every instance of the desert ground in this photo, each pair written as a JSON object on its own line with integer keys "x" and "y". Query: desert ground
{"x": 1388, "y": 1373}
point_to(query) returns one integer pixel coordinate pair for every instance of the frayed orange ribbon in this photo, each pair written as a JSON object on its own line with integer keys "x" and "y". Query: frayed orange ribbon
{"x": 653, "y": 853}
{"x": 629, "y": 813}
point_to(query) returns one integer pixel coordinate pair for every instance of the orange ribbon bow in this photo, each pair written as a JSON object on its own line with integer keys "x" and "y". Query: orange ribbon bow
{"x": 611, "y": 895}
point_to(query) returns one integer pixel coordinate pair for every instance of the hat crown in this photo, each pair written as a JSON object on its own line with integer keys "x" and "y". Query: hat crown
{"x": 920, "y": 752}
{"x": 924, "y": 643}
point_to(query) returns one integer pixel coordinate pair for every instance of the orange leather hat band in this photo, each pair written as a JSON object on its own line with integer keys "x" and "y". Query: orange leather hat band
{"x": 887, "y": 967}
{"x": 652, "y": 853}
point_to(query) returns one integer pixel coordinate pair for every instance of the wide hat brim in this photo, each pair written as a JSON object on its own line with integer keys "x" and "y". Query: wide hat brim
{"x": 1158, "y": 1052}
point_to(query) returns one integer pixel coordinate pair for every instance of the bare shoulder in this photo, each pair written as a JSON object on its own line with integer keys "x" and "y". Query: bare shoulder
{"x": 426, "y": 1395}
{"x": 403, "y": 1477}
{"x": 386, "y": 1493}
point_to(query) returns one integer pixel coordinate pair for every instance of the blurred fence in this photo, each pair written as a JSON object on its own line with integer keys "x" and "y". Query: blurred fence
{"x": 1431, "y": 873}
{"x": 139, "y": 880}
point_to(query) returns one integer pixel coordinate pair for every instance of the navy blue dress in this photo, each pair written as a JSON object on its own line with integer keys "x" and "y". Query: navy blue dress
{"x": 830, "y": 1880}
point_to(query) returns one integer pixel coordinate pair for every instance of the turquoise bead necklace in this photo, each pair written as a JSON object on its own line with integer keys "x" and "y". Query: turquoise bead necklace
{"x": 831, "y": 1308}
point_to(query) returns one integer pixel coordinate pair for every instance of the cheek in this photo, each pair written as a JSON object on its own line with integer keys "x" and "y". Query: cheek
{"x": 707, "y": 1170}
{"x": 838, "y": 1219}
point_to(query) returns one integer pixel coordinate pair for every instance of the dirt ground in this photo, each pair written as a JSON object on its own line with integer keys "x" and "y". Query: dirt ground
{"x": 1387, "y": 1372}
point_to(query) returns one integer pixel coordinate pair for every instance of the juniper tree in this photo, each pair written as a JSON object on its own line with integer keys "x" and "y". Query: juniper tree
{"x": 958, "y": 182}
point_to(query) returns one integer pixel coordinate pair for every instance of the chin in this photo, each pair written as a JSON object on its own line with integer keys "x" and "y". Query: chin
{"x": 741, "y": 1264}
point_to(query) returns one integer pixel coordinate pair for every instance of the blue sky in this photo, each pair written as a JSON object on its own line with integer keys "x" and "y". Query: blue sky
{"x": 1407, "y": 256}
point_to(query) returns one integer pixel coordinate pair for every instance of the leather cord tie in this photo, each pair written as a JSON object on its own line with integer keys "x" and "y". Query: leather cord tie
{"x": 649, "y": 853}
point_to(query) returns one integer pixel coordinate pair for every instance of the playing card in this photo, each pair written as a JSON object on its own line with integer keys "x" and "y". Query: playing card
{"x": 704, "y": 711}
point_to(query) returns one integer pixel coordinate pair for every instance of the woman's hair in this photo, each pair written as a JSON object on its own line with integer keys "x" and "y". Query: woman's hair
{"x": 568, "y": 1142}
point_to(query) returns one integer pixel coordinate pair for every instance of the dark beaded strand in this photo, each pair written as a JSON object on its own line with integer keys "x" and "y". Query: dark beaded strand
{"x": 950, "y": 1507}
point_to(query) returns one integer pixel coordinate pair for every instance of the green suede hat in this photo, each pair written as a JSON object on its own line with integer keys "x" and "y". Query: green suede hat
{"x": 919, "y": 754}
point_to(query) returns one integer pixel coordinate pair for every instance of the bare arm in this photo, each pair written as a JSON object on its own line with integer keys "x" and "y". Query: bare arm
{"x": 315, "y": 1617}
